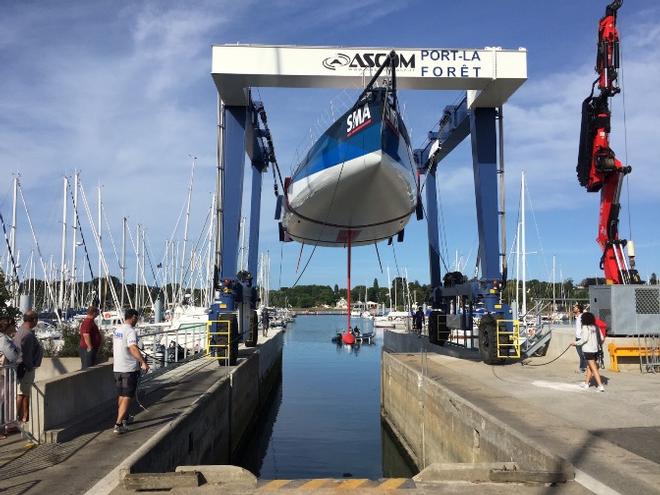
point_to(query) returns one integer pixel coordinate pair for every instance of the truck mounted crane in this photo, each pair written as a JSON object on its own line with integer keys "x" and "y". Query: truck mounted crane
{"x": 598, "y": 168}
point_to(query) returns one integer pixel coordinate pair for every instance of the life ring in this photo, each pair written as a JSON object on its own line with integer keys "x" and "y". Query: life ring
{"x": 107, "y": 316}
{"x": 531, "y": 332}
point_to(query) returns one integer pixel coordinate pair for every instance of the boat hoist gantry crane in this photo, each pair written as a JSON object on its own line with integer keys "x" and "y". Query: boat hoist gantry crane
{"x": 489, "y": 75}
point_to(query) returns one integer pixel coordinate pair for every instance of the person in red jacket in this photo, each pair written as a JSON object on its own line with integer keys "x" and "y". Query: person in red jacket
{"x": 90, "y": 339}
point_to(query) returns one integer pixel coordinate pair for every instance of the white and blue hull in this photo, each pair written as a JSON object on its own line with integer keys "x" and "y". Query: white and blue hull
{"x": 371, "y": 194}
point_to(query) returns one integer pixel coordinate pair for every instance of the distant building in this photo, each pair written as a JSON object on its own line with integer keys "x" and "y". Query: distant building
{"x": 341, "y": 304}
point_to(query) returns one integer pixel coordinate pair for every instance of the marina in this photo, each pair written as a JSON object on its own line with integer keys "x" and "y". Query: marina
{"x": 333, "y": 262}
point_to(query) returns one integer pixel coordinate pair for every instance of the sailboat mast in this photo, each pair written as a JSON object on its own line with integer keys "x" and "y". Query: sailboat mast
{"x": 185, "y": 228}
{"x": 100, "y": 235}
{"x": 12, "y": 237}
{"x": 554, "y": 284}
{"x": 136, "y": 294}
{"x": 517, "y": 269}
{"x": 123, "y": 260}
{"x": 74, "y": 240}
{"x": 389, "y": 287}
{"x": 523, "y": 244}
{"x": 60, "y": 300}
{"x": 348, "y": 283}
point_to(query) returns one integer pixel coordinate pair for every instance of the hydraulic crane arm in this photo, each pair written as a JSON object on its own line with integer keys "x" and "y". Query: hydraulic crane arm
{"x": 598, "y": 168}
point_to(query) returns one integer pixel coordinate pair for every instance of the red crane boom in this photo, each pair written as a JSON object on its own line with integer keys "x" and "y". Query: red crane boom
{"x": 598, "y": 168}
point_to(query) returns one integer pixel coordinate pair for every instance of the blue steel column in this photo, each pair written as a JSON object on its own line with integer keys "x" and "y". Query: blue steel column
{"x": 255, "y": 216}
{"x": 484, "y": 161}
{"x": 432, "y": 228}
{"x": 232, "y": 187}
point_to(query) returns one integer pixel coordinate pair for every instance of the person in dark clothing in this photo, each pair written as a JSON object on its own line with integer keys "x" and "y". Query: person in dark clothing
{"x": 265, "y": 322}
{"x": 418, "y": 320}
{"x": 90, "y": 339}
{"x": 28, "y": 362}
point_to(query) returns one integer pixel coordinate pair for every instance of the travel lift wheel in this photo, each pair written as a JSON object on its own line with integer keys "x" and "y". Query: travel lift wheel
{"x": 488, "y": 340}
{"x": 253, "y": 332}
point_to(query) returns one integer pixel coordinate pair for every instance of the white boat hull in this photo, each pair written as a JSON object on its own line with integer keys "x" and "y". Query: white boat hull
{"x": 372, "y": 195}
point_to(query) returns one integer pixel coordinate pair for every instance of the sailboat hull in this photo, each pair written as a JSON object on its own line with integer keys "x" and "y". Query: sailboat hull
{"x": 359, "y": 180}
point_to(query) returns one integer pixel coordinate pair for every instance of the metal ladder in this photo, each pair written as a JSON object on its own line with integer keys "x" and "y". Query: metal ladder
{"x": 649, "y": 360}
{"x": 215, "y": 351}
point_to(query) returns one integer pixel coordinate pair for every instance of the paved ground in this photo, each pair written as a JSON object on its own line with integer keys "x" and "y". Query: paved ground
{"x": 613, "y": 436}
{"x": 75, "y": 466}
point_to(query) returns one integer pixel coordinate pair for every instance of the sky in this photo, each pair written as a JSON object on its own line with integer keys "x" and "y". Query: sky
{"x": 121, "y": 91}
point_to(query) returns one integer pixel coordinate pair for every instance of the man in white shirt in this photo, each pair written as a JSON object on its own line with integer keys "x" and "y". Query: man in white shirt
{"x": 127, "y": 365}
{"x": 577, "y": 313}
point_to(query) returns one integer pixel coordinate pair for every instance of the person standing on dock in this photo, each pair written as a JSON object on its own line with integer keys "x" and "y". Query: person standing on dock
{"x": 577, "y": 314}
{"x": 589, "y": 339}
{"x": 418, "y": 321}
{"x": 28, "y": 361}
{"x": 127, "y": 363}
{"x": 90, "y": 339}
{"x": 265, "y": 322}
{"x": 8, "y": 355}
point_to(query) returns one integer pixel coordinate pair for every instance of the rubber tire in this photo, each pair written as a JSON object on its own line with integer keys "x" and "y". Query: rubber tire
{"x": 488, "y": 340}
{"x": 253, "y": 333}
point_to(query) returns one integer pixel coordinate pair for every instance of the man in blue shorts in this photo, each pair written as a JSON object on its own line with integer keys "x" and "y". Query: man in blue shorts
{"x": 127, "y": 365}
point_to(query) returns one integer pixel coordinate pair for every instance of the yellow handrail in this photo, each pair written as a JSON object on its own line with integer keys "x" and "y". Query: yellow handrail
{"x": 210, "y": 334}
{"x": 510, "y": 339}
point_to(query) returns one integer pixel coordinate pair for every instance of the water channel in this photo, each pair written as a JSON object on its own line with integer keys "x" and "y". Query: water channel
{"x": 324, "y": 419}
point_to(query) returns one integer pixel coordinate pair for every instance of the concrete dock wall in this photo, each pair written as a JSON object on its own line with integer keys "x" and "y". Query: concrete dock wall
{"x": 213, "y": 428}
{"x": 56, "y": 366}
{"x": 436, "y": 425}
{"x": 57, "y": 403}
{"x": 201, "y": 432}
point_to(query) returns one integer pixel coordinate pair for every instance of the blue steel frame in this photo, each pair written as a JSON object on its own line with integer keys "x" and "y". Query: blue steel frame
{"x": 242, "y": 135}
{"x": 457, "y": 123}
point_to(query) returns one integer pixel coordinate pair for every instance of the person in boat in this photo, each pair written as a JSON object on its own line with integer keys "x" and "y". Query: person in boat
{"x": 356, "y": 331}
{"x": 590, "y": 342}
{"x": 418, "y": 320}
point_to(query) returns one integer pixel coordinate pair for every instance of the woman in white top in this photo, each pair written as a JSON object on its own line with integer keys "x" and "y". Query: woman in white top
{"x": 588, "y": 339}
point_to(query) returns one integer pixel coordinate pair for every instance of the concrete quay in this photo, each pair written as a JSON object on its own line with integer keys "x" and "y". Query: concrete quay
{"x": 195, "y": 413}
{"x": 446, "y": 409}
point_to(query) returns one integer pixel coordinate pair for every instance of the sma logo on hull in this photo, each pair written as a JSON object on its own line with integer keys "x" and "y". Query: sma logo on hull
{"x": 358, "y": 120}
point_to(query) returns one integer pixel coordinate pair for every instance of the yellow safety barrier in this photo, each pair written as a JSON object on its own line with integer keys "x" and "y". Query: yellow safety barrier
{"x": 209, "y": 338}
{"x": 506, "y": 340}
{"x": 616, "y": 351}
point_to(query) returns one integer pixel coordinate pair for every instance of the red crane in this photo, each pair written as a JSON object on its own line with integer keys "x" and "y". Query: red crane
{"x": 598, "y": 168}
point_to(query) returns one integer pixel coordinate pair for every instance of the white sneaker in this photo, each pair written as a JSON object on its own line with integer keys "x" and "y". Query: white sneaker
{"x": 601, "y": 388}
{"x": 584, "y": 385}
{"x": 119, "y": 429}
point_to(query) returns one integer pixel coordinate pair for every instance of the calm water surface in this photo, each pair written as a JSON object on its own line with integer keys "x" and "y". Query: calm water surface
{"x": 324, "y": 420}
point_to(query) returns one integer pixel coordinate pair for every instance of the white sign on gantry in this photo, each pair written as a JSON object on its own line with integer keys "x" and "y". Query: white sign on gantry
{"x": 490, "y": 75}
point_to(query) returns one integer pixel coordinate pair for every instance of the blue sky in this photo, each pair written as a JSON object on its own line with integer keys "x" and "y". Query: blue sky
{"x": 122, "y": 92}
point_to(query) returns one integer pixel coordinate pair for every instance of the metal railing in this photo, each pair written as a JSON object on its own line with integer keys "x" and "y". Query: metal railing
{"x": 166, "y": 348}
{"x": 508, "y": 340}
{"x": 8, "y": 396}
{"x": 649, "y": 352}
{"x": 219, "y": 341}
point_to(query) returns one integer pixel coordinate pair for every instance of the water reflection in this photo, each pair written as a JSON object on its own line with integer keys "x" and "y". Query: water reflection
{"x": 324, "y": 420}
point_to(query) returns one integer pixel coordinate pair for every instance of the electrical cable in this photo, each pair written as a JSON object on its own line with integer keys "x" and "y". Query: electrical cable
{"x": 625, "y": 137}
{"x": 523, "y": 363}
